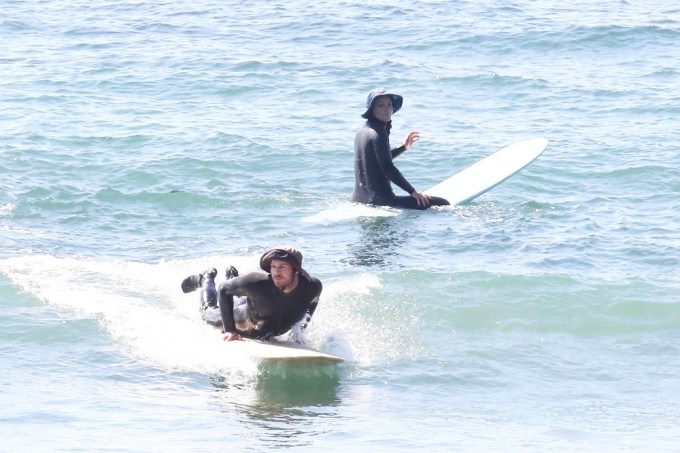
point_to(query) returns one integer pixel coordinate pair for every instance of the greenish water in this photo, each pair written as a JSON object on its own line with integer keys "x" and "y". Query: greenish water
{"x": 142, "y": 142}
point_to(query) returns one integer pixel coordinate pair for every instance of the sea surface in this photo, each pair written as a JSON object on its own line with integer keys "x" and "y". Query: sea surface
{"x": 141, "y": 142}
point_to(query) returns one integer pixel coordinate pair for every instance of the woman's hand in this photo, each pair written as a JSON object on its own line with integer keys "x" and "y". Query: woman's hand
{"x": 422, "y": 199}
{"x": 411, "y": 138}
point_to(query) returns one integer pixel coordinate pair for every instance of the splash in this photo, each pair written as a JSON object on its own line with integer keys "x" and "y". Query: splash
{"x": 142, "y": 308}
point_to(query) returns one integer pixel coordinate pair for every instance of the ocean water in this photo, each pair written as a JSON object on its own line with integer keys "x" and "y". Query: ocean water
{"x": 141, "y": 142}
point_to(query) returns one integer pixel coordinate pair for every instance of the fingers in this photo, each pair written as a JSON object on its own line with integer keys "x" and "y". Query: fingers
{"x": 422, "y": 200}
{"x": 411, "y": 138}
{"x": 231, "y": 336}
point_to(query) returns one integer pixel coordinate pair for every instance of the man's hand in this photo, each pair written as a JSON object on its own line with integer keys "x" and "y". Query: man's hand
{"x": 232, "y": 336}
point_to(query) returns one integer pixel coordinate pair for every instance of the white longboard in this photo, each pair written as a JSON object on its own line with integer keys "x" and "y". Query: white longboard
{"x": 488, "y": 172}
{"x": 277, "y": 350}
{"x": 348, "y": 210}
{"x": 462, "y": 187}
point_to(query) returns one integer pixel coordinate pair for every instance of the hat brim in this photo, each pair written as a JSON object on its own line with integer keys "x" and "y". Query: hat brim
{"x": 289, "y": 255}
{"x": 397, "y": 102}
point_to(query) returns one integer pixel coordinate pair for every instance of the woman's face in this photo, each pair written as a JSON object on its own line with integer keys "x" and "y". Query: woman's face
{"x": 382, "y": 108}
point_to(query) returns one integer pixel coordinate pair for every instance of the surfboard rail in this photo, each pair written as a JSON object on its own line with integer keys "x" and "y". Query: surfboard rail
{"x": 278, "y": 350}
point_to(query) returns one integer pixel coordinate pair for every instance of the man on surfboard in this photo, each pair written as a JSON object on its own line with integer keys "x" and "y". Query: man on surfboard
{"x": 269, "y": 304}
{"x": 374, "y": 169}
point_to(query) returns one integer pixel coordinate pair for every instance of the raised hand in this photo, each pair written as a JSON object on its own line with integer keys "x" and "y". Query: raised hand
{"x": 411, "y": 138}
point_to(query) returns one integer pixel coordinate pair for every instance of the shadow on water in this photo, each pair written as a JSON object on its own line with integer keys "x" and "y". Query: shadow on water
{"x": 381, "y": 241}
{"x": 280, "y": 385}
{"x": 284, "y": 405}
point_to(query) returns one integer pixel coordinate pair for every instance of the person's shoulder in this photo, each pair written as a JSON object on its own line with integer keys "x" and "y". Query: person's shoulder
{"x": 312, "y": 281}
{"x": 246, "y": 280}
{"x": 256, "y": 277}
{"x": 368, "y": 130}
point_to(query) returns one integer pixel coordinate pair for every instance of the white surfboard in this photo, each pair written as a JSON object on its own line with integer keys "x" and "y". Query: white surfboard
{"x": 277, "y": 350}
{"x": 349, "y": 210}
{"x": 488, "y": 172}
{"x": 460, "y": 188}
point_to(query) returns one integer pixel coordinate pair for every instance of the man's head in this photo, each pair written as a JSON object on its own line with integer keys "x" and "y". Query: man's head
{"x": 284, "y": 264}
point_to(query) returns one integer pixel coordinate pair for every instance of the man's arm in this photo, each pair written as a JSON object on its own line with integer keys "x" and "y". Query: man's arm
{"x": 316, "y": 293}
{"x": 312, "y": 307}
{"x": 226, "y": 303}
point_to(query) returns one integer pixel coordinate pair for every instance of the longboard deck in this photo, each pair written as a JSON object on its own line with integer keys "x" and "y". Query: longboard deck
{"x": 348, "y": 210}
{"x": 278, "y": 350}
{"x": 488, "y": 172}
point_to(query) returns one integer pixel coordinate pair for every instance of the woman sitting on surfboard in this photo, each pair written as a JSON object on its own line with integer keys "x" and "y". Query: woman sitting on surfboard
{"x": 373, "y": 166}
{"x": 270, "y": 304}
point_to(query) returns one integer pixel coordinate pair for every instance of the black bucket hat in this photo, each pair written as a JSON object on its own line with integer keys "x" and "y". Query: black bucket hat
{"x": 285, "y": 253}
{"x": 397, "y": 100}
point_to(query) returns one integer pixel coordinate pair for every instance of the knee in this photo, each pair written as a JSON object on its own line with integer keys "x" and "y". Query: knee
{"x": 438, "y": 201}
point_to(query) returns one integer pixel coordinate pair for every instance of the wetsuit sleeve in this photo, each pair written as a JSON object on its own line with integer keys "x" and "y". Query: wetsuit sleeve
{"x": 384, "y": 157}
{"x": 318, "y": 287}
{"x": 237, "y": 286}
{"x": 396, "y": 152}
{"x": 312, "y": 307}
{"x": 226, "y": 304}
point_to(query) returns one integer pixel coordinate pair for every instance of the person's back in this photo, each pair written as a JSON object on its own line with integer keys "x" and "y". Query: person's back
{"x": 269, "y": 310}
{"x": 371, "y": 186}
{"x": 275, "y": 301}
{"x": 259, "y": 305}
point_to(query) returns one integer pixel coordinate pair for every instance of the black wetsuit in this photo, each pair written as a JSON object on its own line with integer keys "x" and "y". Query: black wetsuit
{"x": 374, "y": 169}
{"x": 268, "y": 311}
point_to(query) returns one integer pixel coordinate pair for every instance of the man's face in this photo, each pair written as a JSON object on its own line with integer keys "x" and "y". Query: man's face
{"x": 282, "y": 273}
{"x": 382, "y": 108}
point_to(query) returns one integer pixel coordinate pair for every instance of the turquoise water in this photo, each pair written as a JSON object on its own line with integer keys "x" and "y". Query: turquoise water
{"x": 142, "y": 142}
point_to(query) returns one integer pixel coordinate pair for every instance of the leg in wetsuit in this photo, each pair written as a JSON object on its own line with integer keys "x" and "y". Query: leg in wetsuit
{"x": 210, "y": 311}
{"x": 408, "y": 202}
